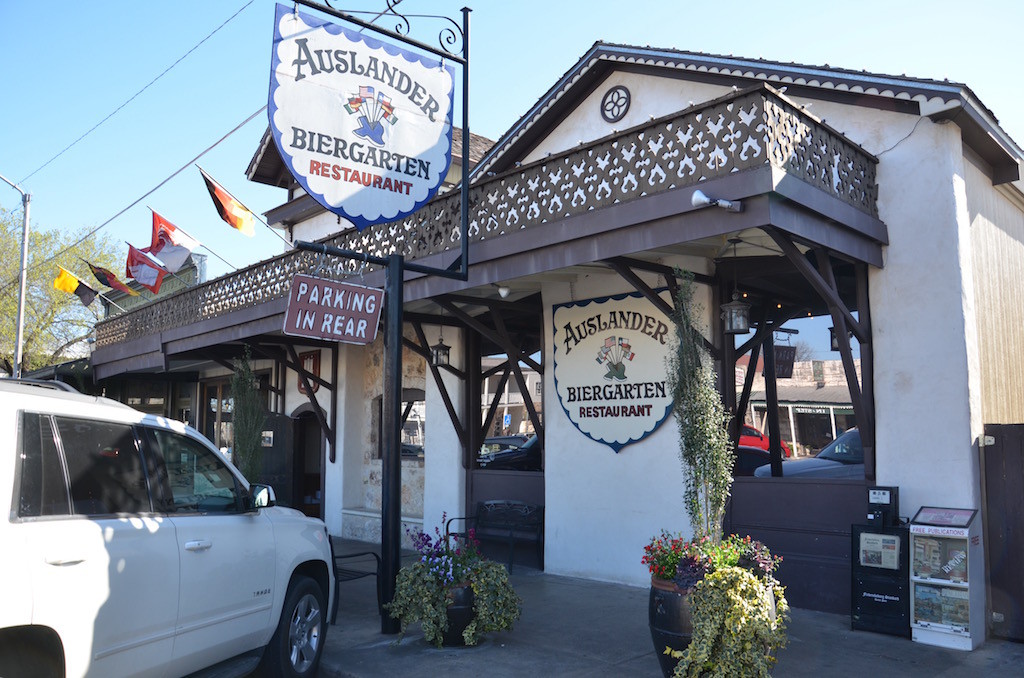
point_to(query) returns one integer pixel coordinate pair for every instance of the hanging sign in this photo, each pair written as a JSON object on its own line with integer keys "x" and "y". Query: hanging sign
{"x": 364, "y": 126}
{"x": 609, "y": 356}
{"x": 332, "y": 310}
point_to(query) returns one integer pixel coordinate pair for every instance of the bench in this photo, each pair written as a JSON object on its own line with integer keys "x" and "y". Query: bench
{"x": 513, "y": 521}
{"x": 352, "y": 566}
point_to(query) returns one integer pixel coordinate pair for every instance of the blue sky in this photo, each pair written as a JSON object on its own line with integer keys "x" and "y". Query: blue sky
{"x": 68, "y": 64}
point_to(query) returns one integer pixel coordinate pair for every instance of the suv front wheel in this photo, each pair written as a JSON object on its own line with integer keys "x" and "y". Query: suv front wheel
{"x": 295, "y": 648}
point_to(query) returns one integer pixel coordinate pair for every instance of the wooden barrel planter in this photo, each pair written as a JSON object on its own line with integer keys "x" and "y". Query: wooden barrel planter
{"x": 668, "y": 613}
{"x": 460, "y": 614}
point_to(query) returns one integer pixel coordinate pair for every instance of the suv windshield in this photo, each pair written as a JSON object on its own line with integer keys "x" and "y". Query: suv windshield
{"x": 845, "y": 449}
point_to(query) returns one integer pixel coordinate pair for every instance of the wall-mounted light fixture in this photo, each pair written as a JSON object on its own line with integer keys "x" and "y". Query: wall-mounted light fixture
{"x": 503, "y": 290}
{"x": 736, "y": 313}
{"x": 699, "y": 199}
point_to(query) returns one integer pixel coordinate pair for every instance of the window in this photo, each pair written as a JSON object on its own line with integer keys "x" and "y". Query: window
{"x": 104, "y": 467}
{"x": 42, "y": 490}
{"x": 199, "y": 481}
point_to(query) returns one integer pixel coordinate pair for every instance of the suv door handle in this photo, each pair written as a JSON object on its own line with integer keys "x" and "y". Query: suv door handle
{"x": 198, "y": 545}
{"x": 61, "y": 562}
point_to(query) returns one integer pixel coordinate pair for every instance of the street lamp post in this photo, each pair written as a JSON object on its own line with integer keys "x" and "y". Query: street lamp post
{"x": 26, "y": 199}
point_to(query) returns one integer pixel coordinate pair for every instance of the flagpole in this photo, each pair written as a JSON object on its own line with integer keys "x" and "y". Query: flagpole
{"x": 285, "y": 240}
{"x": 201, "y": 243}
{"x": 110, "y": 301}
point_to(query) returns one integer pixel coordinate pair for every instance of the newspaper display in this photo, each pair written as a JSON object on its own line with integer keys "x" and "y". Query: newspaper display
{"x": 927, "y": 557}
{"x": 928, "y": 604}
{"x": 956, "y": 608}
{"x": 880, "y": 550}
{"x": 940, "y": 559}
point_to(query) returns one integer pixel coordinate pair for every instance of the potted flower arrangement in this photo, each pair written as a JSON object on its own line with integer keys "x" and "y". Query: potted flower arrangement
{"x": 715, "y": 606}
{"x": 455, "y": 592}
{"x": 724, "y": 595}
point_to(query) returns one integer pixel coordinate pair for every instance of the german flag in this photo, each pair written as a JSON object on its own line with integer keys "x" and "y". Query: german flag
{"x": 105, "y": 277}
{"x": 236, "y": 214}
{"x": 67, "y": 282}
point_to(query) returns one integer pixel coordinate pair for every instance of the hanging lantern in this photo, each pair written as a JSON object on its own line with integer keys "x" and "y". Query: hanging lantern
{"x": 736, "y": 315}
{"x": 439, "y": 353}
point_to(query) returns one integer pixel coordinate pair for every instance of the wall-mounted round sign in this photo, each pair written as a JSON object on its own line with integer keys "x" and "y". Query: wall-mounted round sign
{"x": 364, "y": 126}
{"x": 615, "y": 103}
{"x": 609, "y": 356}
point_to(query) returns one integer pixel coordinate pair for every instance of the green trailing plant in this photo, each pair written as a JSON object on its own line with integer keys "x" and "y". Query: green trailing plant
{"x": 424, "y": 589}
{"x": 247, "y": 418}
{"x": 738, "y": 609}
{"x": 735, "y": 633}
{"x": 705, "y": 449}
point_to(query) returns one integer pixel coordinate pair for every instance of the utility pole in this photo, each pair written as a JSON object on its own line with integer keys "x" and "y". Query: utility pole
{"x": 26, "y": 199}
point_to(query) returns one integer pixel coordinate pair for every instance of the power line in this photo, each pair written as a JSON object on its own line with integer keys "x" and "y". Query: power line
{"x": 134, "y": 96}
{"x": 141, "y": 197}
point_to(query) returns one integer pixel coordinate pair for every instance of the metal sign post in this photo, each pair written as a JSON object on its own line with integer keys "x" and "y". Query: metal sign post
{"x": 391, "y": 510}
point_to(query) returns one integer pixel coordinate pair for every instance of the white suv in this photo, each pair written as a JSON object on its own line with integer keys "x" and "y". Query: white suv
{"x": 133, "y": 548}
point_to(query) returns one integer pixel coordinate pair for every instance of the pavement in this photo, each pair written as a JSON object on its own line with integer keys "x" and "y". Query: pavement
{"x": 578, "y": 627}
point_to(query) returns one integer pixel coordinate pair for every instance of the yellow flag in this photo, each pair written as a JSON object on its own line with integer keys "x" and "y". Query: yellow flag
{"x": 65, "y": 282}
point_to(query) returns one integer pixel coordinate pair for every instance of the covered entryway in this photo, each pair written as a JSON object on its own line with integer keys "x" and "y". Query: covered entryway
{"x": 307, "y": 463}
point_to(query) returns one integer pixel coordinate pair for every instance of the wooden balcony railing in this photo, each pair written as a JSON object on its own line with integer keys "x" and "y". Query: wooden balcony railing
{"x": 741, "y": 131}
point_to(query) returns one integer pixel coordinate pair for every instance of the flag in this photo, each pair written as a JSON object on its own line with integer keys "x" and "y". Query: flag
{"x": 146, "y": 272}
{"x": 107, "y": 278}
{"x": 67, "y": 282}
{"x": 231, "y": 211}
{"x": 171, "y": 245}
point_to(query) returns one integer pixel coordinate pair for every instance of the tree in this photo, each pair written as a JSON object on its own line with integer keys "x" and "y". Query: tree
{"x": 804, "y": 351}
{"x": 704, "y": 446}
{"x": 247, "y": 417}
{"x": 57, "y": 324}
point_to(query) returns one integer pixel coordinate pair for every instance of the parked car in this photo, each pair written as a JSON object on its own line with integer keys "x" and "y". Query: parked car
{"x": 525, "y": 457}
{"x": 751, "y": 437}
{"x": 841, "y": 458}
{"x": 496, "y": 443}
{"x": 133, "y": 547}
{"x": 748, "y": 459}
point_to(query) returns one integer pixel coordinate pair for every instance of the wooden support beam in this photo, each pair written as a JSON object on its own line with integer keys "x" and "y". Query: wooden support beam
{"x": 495, "y": 401}
{"x": 501, "y": 339}
{"x": 814, "y": 278}
{"x": 517, "y": 371}
{"x": 460, "y": 430}
{"x": 317, "y": 410}
{"x": 666, "y": 307}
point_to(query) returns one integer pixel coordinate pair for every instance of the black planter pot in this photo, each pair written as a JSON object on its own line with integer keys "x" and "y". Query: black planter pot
{"x": 668, "y": 613}
{"x": 460, "y": 614}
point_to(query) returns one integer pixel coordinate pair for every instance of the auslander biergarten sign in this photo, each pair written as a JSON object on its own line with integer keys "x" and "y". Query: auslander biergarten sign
{"x": 610, "y": 367}
{"x": 364, "y": 126}
{"x": 328, "y": 309}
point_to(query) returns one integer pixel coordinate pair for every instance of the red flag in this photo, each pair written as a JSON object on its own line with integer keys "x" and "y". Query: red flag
{"x": 231, "y": 210}
{"x": 146, "y": 272}
{"x": 107, "y": 278}
{"x": 171, "y": 245}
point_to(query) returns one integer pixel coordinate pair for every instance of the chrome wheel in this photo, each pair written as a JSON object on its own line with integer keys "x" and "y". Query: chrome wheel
{"x": 305, "y": 633}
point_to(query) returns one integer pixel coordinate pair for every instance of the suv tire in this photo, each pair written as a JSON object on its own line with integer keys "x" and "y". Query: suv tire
{"x": 295, "y": 648}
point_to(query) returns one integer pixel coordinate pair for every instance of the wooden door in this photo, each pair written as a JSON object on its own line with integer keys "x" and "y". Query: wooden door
{"x": 1003, "y": 470}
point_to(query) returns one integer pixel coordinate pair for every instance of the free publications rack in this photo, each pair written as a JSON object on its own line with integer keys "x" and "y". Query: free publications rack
{"x": 947, "y": 584}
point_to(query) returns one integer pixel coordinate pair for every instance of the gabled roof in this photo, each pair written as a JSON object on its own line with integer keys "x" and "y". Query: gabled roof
{"x": 940, "y": 100}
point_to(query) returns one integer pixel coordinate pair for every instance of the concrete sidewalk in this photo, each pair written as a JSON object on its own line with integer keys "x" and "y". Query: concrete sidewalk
{"x": 577, "y": 627}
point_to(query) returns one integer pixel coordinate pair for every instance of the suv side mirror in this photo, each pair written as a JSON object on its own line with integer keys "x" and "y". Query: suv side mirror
{"x": 260, "y": 496}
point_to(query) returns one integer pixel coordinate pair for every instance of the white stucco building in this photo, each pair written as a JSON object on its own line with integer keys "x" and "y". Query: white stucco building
{"x": 893, "y": 204}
